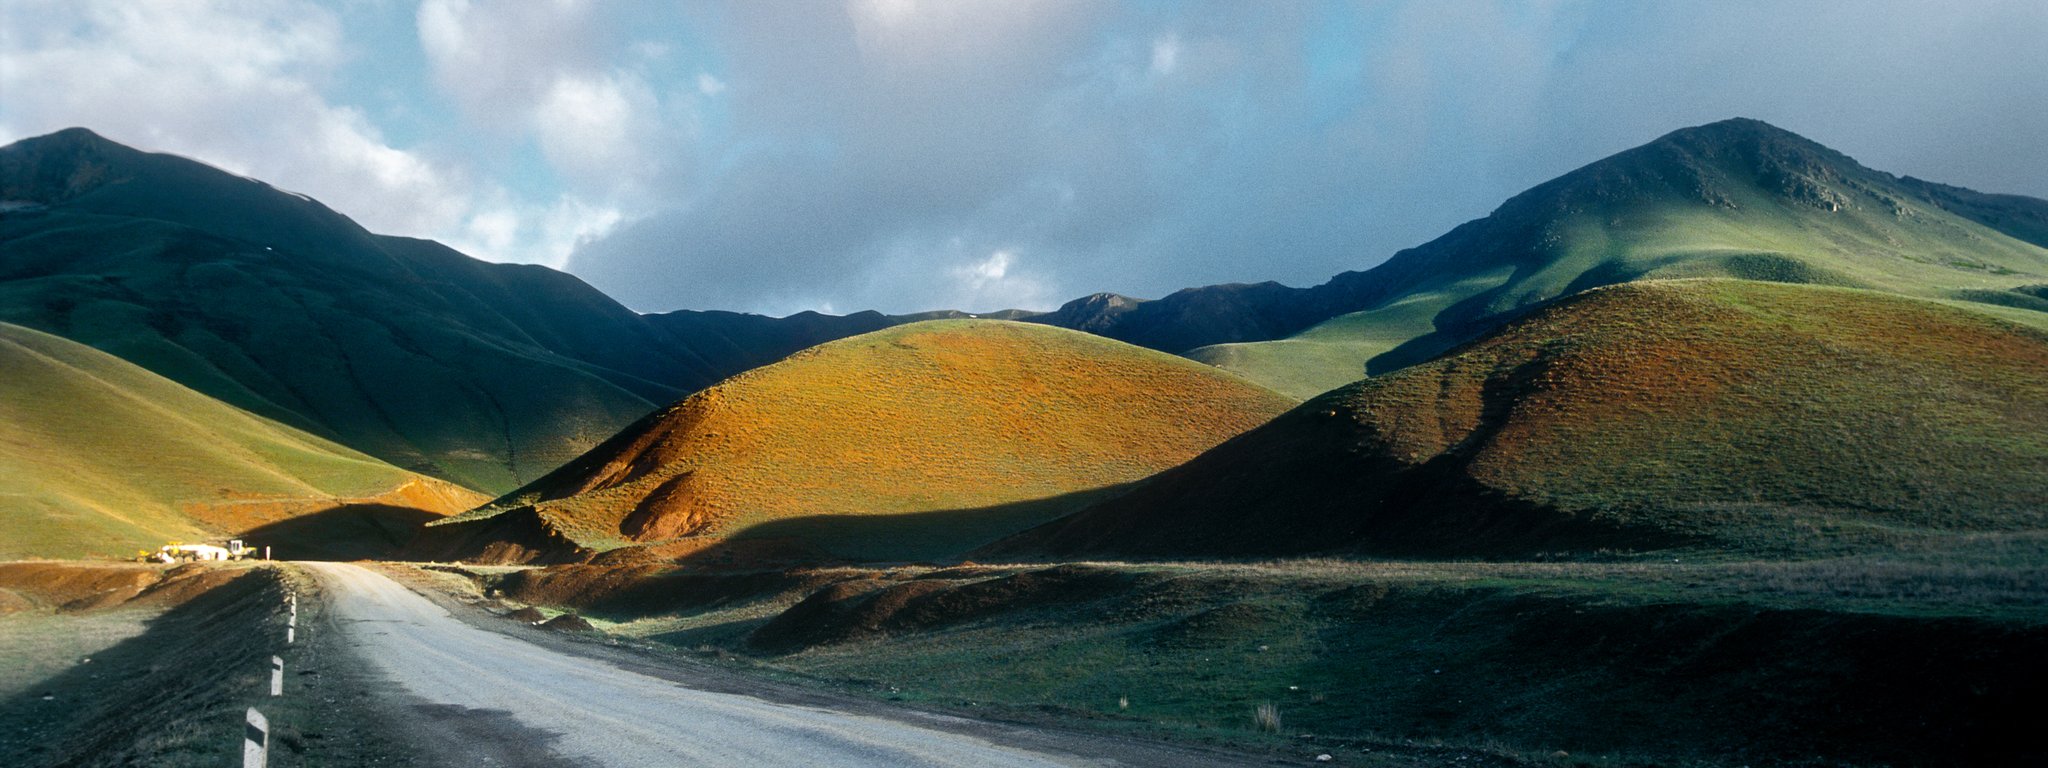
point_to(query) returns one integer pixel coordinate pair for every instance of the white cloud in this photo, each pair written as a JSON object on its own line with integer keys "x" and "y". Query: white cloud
{"x": 560, "y": 73}
{"x": 978, "y": 276}
{"x": 708, "y": 85}
{"x": 498, "y": 58}
{"x": 510, "y": 231}
{"x": 596, "y": 129}
{"x": 1165, "y": 55}
{"x": 995, "y": 282}
{"x": 228, "y": 83}
{"x": 236, "y": 85}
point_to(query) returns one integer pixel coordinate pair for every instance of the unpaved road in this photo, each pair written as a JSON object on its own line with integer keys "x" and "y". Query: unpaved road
{"x": 545, "y": 707}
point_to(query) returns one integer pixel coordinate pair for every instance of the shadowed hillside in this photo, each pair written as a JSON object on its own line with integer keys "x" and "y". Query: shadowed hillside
{"x": 99, "y": 458}
{"x": 1731, "y": 414}
{"x": 926, "y": 418}
{"x": 488, "y": 374}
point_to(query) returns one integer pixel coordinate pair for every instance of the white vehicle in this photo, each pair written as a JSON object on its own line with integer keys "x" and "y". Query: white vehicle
{"x": 185, "y": 553}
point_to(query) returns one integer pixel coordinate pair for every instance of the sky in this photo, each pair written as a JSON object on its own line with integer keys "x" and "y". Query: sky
{"x": 905, "y": 155}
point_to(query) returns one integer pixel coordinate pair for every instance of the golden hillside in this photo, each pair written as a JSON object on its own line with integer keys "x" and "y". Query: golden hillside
{"x": 933, "y": 417}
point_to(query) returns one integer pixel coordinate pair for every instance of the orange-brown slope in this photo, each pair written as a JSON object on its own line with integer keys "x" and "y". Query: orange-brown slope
{"x": 929, "y": 436}
{"x": 1720, "y": 413}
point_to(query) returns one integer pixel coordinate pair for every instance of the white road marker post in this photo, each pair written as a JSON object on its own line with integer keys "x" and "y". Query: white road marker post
{"x": 256, "y": 741}
{"x": 276, "y": 676}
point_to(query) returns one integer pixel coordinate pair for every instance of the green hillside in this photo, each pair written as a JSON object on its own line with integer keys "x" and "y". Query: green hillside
{"x": 1726, "y": 415}
{"x": 487, "y": 374}
{"x": 99, "y": 457}
{"x": 917, "y": 441}
{"x": 1738, "y": 199}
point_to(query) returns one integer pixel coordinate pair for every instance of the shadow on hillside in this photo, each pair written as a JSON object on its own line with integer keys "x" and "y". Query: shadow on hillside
{"x": 939, "y": 535}
{"x": 345, "y": 532}
{"x": 181, "y": 676}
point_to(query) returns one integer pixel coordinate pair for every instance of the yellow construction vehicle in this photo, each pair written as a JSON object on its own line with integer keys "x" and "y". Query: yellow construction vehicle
{"x": 176, "y": 552}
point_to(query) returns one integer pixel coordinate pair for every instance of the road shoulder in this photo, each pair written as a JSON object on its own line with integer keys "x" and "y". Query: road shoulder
{"x": 461, "y": 599}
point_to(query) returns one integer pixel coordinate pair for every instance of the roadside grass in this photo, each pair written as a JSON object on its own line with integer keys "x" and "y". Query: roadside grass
{"x": 41, "y": 644}
{"x": 1857, "y": 660}
{"x": 167, "y": 682}
{"x": 176, "y": 656}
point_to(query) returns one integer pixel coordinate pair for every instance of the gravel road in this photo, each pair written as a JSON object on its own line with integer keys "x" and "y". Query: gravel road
{"x": 507, "y": 701}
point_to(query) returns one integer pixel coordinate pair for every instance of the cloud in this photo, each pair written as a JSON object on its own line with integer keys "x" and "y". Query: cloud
{"x": 573, "y": 76}
{"x": 234, "y": 84}
{"x": 500, "y": 58}
{"x": 510, "y": 230}
{"x": 1165, "y": 55}
{"x": 883, "y": 152}
{"x": 596, "y": 129}
{"x": 994, "y": 283}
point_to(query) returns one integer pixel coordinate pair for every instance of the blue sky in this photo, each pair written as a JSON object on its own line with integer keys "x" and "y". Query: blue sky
{"x": 909, "y": 154}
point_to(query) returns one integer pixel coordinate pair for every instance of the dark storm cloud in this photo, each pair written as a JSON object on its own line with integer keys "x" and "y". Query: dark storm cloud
{"x": 904, "y": 155}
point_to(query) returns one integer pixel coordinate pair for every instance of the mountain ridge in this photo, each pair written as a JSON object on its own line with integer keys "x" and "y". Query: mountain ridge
{"x": 1701, "y": 413}
{"x": 488, "y": 374}
{"x": 1738, "y": 198}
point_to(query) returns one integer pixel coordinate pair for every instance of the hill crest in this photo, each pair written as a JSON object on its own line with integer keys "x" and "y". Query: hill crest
{"x": 931, "y": 418}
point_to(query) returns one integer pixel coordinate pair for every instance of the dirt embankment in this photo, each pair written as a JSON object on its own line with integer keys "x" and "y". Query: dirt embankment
{"x": 863, "y": 608}
{"x": 520, "y": 536}
{"x": 648, "y": 590}
{"x": 172, "y": 695}
{"x": 68, "y": 586}
{"x": 188, "y": 648}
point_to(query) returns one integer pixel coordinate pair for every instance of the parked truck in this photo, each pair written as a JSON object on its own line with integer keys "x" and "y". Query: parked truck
{"x": 175, "y": 552}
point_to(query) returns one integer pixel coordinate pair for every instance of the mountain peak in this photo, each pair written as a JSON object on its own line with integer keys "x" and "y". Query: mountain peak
{"x": 56, "y": 167}
{"x": 70, "y": 145}
{"x": 1751, "y": 139}
{"x": 1720, "y": 165}
{"x": 73, "y": 135}
{"x": 1732, "y": 129}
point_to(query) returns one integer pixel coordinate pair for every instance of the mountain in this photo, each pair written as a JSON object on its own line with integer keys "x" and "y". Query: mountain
{"x": 99, "y": 457}
{"x": 1738, "y": 198}
{"x": 1732, "y": 415}
{"x": 916, "y": 441}
{"x": 486, "y": 374}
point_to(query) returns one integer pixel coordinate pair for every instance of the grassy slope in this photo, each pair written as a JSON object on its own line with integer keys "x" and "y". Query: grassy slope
{"x": 1737, "y": 199}
{"x": 936, "y": 417}
{"x": 1755, "y": 416}
{"x": 487, "y": 374}
{"x": 100, "y": 457}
